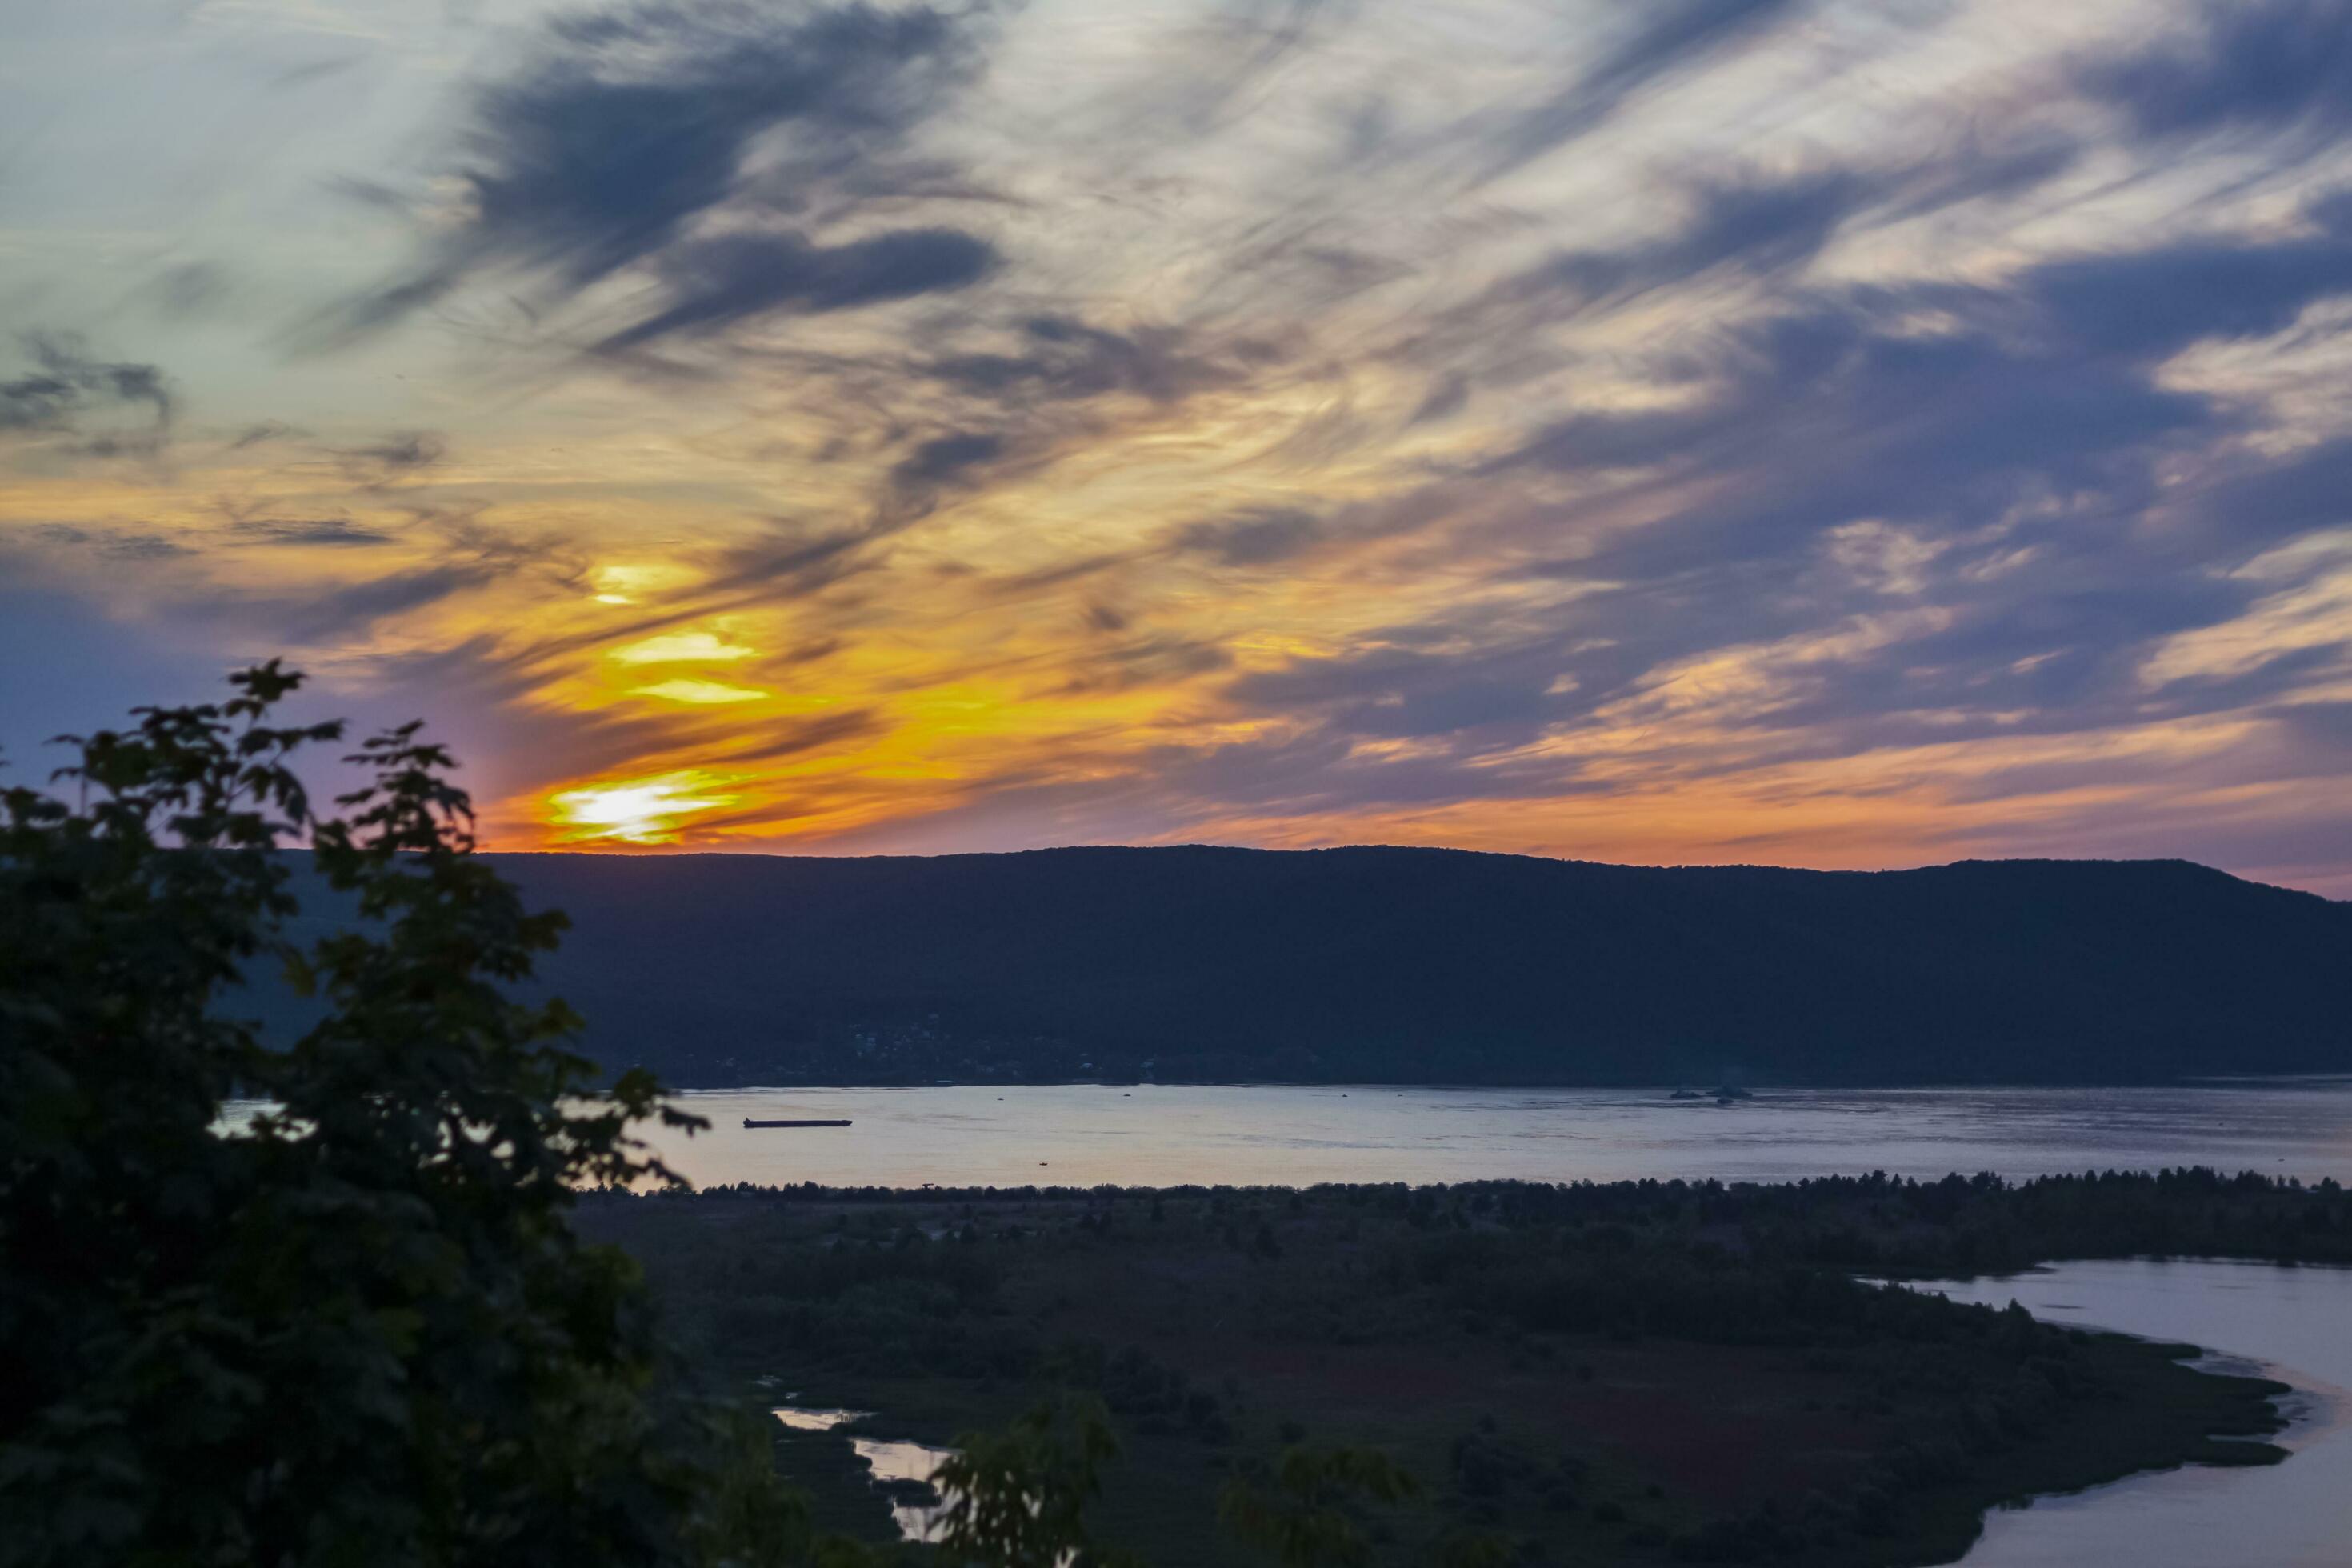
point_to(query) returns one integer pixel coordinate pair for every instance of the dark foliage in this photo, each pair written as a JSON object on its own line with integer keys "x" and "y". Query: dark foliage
{"x": 945, "y": 1295}
{"x": 359, "y": 1330}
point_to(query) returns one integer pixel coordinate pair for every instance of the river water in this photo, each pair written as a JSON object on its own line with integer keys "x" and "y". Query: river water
{"x": 2283, "y": 1323}
{"x": 1148, "y": 1135}
{"x": 2287, "y": 1323}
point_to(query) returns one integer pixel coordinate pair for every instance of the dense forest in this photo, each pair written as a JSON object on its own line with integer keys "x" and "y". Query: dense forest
{"x": 1431, "y": 965}
{"x": 1619, "y": 1372}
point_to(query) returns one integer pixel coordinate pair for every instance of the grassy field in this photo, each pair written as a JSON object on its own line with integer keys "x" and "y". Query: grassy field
{"x": 1617, "y": 1384}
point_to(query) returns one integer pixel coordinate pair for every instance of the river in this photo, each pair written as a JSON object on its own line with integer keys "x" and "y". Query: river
{"x": 2284, "y": 1323}
{"x": 2287, "y": 1323}
{"x": 1151, "y": 1135}
{"x": 2290, "y": 1322}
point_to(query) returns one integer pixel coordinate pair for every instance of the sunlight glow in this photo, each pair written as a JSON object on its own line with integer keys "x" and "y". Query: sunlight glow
{"x": 624, "y": 585}
{"x": 1690, "y": 454}
{"x": 642, "y": 811}
{"x": 700, "y": 691}
{"x": 680, "y": 648}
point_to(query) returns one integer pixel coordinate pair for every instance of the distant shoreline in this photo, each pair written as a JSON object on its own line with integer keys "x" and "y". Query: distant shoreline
{"x": 1761, "y": 1091}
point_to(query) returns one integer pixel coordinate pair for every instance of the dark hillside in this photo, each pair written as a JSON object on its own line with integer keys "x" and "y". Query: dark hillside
{"x": 1433, "y": 965}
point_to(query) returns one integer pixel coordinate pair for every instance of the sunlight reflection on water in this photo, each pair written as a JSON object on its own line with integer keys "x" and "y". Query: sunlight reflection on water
{"x": 1083, "y": 1134}
{"x": 891, "y": 1461}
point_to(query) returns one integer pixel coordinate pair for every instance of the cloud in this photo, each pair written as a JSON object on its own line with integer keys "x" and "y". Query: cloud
{"x": 2153, "y": 304}
{"x": 474, "y": 555}
{"x": 1762, "y": 224}
{"x": 1061, "y": 358}
{"x": 347, "y": 612}
{"x": 944, "y": 459}
{"x": 796, "y": 737}
{"x": 378, "y": 463}
{"x": 484, "y": 695}
{"x": 2018, "y": 465}
{"x": 784, "y": 561}
{"x": 188, "y": 290}
{"x": 267, "y": 430}
{"x": 1256, "y": 538}
{"x": 67, "y": 384}
{"x": 1402, "y": 691}
{"x": 321, "y": 533}
{"x": 718, "y": 282}
{"x": 111, "y": 544}
{"x": 1671, "y": 37}
{"x": 1804, "y": 422}
{"x": 1838, "y": 412}
{"x": 1766, "y": 225}
{"x": 2258, "y": 66}
{"x": 626, "y": 127}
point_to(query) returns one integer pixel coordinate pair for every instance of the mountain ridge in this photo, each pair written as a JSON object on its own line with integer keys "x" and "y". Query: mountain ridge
{"x": 1390, "y": 963}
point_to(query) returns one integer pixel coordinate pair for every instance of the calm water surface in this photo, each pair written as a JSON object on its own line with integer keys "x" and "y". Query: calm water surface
{"x": 2290, "y": 1324}
{"x": 888, "y": 1461}
{"x": 1082, "y": 1135}
{"x": 2284, "y": 1323}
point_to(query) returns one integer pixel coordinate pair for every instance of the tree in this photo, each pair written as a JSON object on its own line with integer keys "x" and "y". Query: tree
{"x": 1308, "y": 1517}
{"x": 1017, "y": 1498}
{"x": 359, "y": 1330}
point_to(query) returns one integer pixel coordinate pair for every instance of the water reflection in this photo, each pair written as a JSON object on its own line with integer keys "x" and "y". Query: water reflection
{"x": 902, "y": 1470}
{"x": 899, "y": 1466}
{"x": 2284, "y": 1323}
{"x": 818, "y": 1420}
{"x": 1083, "y": 1136}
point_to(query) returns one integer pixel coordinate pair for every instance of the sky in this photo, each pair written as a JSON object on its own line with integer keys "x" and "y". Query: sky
{"x": 1836, "y": 433}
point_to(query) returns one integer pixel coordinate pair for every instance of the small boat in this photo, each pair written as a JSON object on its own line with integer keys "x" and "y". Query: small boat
{"x": 750, "y": 1122}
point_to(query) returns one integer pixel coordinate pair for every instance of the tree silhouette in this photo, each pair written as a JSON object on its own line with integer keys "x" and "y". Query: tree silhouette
{"x": 359, "y": 1330}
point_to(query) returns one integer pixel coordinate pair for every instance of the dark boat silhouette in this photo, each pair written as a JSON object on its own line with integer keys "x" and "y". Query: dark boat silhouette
{"x": 754, "y": 1121}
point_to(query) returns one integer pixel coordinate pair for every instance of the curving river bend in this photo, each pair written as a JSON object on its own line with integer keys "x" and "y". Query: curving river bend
{"x": 2292, "y": 1323}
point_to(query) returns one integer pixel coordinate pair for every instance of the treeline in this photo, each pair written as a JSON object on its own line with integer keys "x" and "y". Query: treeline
{"x": 1894, "y": 1224}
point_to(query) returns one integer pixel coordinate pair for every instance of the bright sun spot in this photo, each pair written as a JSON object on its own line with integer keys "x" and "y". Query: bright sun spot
{"x": 700, "y": 691}
{"x": 648, "y": 811}
{"x": 680, "y": 648}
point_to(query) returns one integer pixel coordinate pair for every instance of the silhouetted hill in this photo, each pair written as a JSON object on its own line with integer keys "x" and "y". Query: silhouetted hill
{"x": 1435, "y": 965}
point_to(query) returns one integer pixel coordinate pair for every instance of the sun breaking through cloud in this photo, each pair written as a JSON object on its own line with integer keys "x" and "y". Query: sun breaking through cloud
{"x": 1818, "y": 431}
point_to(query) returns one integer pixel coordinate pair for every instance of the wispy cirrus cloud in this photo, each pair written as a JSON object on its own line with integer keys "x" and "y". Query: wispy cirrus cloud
{"x": 1801, "y": 429}
{"x": 63, "y": 393}
{"x": 623, "y": 131}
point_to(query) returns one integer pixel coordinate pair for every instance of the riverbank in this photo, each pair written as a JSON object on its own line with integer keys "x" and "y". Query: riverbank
{"x": 2271, "y": 1321}
{"x": 2162, "y": 1413}
{"x": 1596, "y": 1376}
